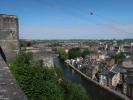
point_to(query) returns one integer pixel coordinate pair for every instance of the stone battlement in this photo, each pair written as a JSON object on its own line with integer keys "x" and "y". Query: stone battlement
{"x": 10, "y": 16}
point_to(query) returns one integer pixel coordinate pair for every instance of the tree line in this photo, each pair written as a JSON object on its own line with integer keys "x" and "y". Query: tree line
{"x": 73, "y": 53}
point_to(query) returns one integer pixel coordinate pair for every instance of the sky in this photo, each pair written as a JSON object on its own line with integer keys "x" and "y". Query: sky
{"x": 72, "y": 19}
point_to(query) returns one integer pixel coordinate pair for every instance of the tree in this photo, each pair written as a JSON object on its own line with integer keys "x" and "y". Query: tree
{"x": 118, "y": 57}
{"x": 62, "y": 53}
{"x": 86, "y": 52}
{"x": 74, "y": 52}
{"x": 73, "y": 91}
{"x": 23, "y": 43}
{"x": 41, "y": 83}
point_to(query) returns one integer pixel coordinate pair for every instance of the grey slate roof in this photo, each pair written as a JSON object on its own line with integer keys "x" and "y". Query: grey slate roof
{"x": 129, "y": 79}
{"x": 111, "y": 74}
{"x": 118, "y": 69}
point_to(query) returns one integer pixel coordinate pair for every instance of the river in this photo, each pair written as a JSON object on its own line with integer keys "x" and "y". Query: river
{"x": 94, "y": 91}
{"x": 69, "y": 74}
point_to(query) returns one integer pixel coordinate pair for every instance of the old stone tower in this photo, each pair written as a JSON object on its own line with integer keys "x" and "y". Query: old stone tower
{"x": 9, "y": 36}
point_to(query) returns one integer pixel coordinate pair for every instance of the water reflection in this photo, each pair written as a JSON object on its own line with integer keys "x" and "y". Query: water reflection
{"x": 69, "y": 74}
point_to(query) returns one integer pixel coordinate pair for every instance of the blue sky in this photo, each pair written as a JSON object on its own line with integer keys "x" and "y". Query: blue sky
{"x": 71, "y": 19}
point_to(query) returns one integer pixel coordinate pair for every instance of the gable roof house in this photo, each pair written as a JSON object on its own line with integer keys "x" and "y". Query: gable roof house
{"x": 128, "y": 87}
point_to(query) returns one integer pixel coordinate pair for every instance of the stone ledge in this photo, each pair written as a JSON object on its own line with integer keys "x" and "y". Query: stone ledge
{"x": 9, "y": 89}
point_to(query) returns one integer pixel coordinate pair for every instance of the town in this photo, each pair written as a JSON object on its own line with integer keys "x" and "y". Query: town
{"x": 110, "y": 65}
{"x": 66, "y": 50}
{"x": 108, "y": 62}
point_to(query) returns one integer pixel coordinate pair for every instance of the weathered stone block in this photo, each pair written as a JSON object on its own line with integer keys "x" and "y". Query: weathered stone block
{"x": 9, "y": 33}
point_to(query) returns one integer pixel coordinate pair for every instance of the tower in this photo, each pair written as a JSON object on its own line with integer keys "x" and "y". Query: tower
{"x": 9, "y": 36}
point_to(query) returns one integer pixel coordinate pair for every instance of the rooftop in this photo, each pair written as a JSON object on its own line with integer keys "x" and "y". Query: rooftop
{"x": 127, "y": 64}
{"x": 129, "y": 79}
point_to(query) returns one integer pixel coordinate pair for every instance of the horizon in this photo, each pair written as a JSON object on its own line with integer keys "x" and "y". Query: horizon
{"x": 71, "y": 19}
{"x": 75, "y": 39}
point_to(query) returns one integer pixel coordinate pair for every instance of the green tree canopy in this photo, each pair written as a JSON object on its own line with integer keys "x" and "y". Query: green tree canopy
{"x": 74, "y": 52}
{"x": 86, "y": 52}
{"x": 42, "y": 83}
{"x": 62, "y": 53}
{"x": 119, "y": 56}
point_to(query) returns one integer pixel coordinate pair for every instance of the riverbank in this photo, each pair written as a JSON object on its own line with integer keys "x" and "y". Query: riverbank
{"x": 40, "y": 82}
{"x": 97, "y": 90}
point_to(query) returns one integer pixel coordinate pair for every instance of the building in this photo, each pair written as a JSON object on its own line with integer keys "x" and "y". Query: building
{"x": 127, "y": 48}
{"x": 113, "y": 79}
{"x": 103, "y": 80}
{"x": 128, "y": 86}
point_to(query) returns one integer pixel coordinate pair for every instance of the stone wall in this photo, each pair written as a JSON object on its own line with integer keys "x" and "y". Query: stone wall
{"x": 9, "y": 33}
{"x": 46, "y": 56}
{"x": 9, "y": 88}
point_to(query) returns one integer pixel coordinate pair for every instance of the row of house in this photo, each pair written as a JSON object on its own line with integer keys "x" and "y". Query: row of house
{"x": 103, "y": 69}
